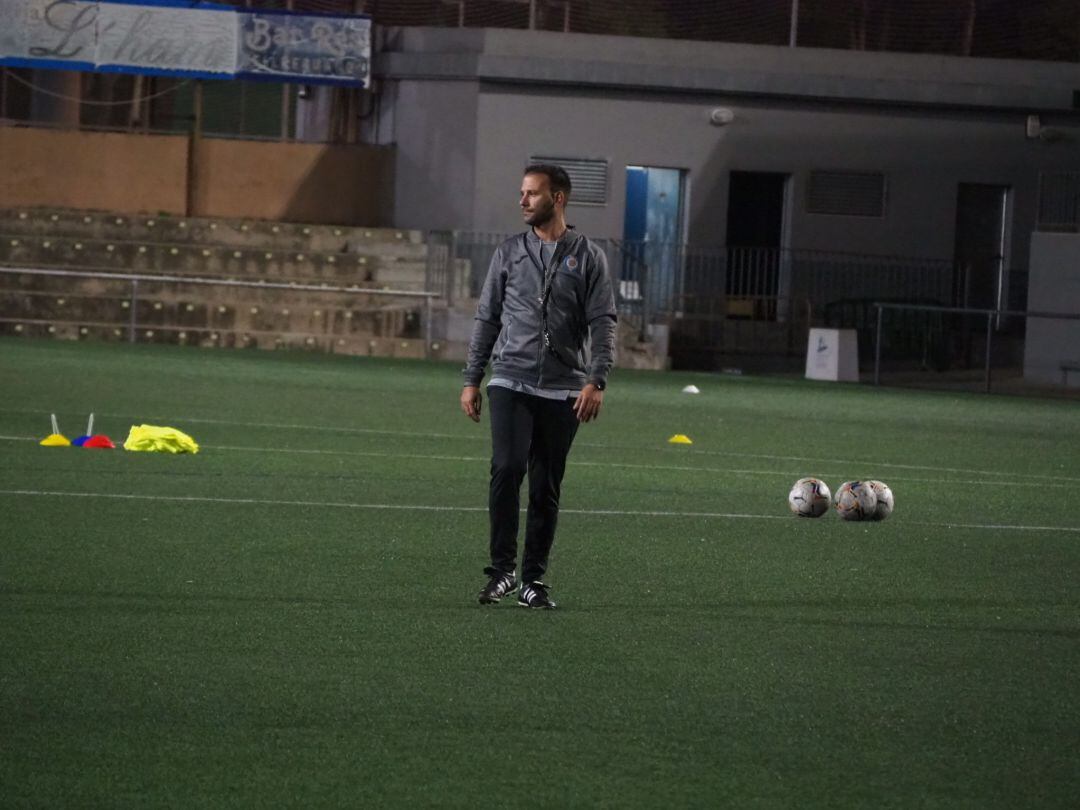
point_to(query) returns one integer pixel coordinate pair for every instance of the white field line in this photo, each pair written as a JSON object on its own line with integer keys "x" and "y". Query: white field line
{"x": 350, "y": 505}
{"x": 424, "y": 435}
{"x": 995, "y": 527}
{"x": 884, "y": 464}
{"x": 272, "y": 425}
{"x": 664, "y": 467}
{"x": 242, "y": 501}
{"x": 432, "y": 508}
{"x": 360, "y": 453}
{"x": 1060, "y": 484}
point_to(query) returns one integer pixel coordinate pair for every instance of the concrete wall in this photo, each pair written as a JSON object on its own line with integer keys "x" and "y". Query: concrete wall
{"x": 550, "y": 58}
{"x": 107, "y": 171}
{"x": 924, "y": 156}
{"x": 1054, "y": 286}
{"x": 294, "y": 182}
{"x": 133, "y": 174}
{"x": 928, "y": 122}
{"x": 433, "y": 126}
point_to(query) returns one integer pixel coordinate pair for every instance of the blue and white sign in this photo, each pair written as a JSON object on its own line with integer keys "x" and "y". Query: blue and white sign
{"x": 174, "y": 38}
{"x": 296, "y": 47}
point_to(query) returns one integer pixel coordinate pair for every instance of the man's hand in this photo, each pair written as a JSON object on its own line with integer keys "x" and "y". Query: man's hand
{"x": 588, "y": 403}
{"x": 471, "y": 400}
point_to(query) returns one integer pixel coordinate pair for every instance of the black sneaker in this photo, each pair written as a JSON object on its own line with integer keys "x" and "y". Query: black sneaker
{"x": 535, "y": 595}
{"x": 499, "y": 585}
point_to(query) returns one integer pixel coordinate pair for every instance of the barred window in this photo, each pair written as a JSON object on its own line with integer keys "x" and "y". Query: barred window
{"x": 1059, "y": 201}
{"x": 852, "y": 194}
{"x": 589, "y": 178}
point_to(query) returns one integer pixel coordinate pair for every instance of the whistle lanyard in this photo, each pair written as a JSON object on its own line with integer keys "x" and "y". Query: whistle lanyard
{"x": 547, "y": 269}
{"x": 545, "y": 295}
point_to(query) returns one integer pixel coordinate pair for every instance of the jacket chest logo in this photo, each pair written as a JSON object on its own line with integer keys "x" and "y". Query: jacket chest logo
{"x": 571, "y": 263}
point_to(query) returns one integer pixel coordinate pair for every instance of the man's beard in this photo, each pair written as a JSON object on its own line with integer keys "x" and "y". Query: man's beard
{"x": 541, "y": 216}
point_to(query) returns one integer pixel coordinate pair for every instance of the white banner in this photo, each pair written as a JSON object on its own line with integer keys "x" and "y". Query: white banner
{"x": 13, "y": 27}
{"x": 162, "y": 38}
{"x": 61, "y": 30}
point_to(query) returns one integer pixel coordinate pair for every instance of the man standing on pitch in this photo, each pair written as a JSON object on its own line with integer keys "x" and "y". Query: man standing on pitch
{"x": 546, "y": 320}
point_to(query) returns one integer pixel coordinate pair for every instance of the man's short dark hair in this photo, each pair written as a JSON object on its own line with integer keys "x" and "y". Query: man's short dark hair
{"x": 557, "y": 177}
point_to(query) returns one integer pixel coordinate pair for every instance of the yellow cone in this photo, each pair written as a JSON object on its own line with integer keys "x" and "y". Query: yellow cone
{"x": 55, "y": 440}
{"x": 679, "y": 438}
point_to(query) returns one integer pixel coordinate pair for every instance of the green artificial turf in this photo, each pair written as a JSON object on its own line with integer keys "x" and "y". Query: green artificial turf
{"x": 277, "y": 621}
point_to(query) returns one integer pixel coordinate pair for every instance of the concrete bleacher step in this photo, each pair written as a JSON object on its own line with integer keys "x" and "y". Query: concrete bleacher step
{"x": 161, "y": 258}
{"x": 361, "y": 344}
{"x": 105, "y": 226}
{"x": 331, "y": 318}
{"x": 103, "y": 308}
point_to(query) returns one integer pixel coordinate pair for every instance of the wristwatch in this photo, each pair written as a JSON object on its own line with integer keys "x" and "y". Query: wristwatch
{"x": 600, "y": 384}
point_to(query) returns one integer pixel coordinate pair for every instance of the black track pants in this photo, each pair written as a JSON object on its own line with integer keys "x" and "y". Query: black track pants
{"x": 528, "y": 434}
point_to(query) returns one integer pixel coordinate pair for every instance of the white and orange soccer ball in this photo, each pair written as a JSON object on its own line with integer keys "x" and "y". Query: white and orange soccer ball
{"x": 809, "y": 497}
{"x": 885, "y": 500}
{"x": 856, "y": 500}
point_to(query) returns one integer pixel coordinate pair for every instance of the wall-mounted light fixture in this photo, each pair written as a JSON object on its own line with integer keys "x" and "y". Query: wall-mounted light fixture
{"x": 1033, "y": 127}
{"x": 721, "y": 116}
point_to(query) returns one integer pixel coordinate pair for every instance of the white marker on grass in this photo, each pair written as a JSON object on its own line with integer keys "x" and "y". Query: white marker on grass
{"x": 90, "y": 426}
{"x": 55, "y": 427}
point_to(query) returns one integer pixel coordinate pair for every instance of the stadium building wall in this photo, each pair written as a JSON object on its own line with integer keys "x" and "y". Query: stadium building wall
{"x": 1052, "y": 347}
{"x": 297, "y": 182}
{"x": 466, "y": 109}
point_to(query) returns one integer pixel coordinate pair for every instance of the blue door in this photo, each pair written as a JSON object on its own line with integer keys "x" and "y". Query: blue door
{"x": 652, "y": 231}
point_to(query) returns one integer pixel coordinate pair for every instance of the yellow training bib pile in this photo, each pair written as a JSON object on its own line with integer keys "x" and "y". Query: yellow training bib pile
{"x": 154, "y": 439}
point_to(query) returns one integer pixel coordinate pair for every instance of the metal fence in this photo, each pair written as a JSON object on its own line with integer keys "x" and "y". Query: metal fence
{"x": 723, "y": 308}
{"x": 957, "y": 347}
{"x": 1024, "y": 29}
{"x": 1027, "y": 29}
{"x": 656, "y": 280}
{"x": 248, "y": 110}
{"x": 719, "y": 305}
{"x": 140, "y": 321}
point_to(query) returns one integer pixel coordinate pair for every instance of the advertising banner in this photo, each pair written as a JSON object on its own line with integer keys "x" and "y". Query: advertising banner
{"x": 13, "y": 27}
{"x": 160, "y": 38}
{"x": 298, "y": 48}
{"x": 49, "y": 31}
{"x": 164, "y": 37}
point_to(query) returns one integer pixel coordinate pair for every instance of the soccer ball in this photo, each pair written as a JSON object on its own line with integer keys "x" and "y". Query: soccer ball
{"x": 885, "y": 501}
{"x": 856, "y": 500}
{"x": 809, "y": 497}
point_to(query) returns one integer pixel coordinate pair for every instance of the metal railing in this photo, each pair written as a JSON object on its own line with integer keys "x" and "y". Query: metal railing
{"x": 715, "y": 304}
{"x": 661, "y": 279}
{"x": 134, "y": 279}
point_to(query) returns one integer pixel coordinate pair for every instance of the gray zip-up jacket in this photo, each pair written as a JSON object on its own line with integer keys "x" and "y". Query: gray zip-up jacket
{"x": 550, "y": 327}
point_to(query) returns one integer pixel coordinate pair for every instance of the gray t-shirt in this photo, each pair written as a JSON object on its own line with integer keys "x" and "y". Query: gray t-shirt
{"x": 547, "y": 250}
